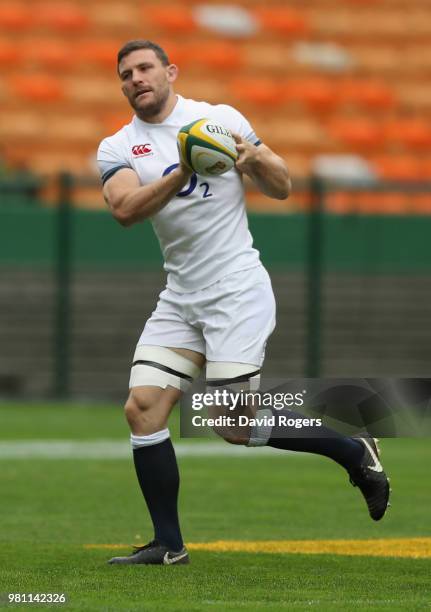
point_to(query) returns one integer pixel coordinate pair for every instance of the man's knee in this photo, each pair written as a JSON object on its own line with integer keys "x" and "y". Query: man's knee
{"x": 147, "y": 410}
{"x": 158, "y": 377}
{"x": 133, "y": 409}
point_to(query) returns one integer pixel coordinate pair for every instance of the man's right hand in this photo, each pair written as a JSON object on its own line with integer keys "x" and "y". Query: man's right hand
{"x": 130, "y": 202}
{"x": 185, "y": 169}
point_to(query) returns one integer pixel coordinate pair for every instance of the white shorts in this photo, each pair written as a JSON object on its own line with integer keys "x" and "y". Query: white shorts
{"x": 229, "y": 321}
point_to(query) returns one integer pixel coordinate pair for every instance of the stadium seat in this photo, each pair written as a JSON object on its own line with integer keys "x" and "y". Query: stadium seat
{"x": 426, "y": 168}
{"x": 218, "y": 56}
{"x": 175, "y": 19}
{"x": 358, "y": 133}
{"x": 10, "y": 53}
{"x": 53, "y": 54}
{"x": 421, "y": 203}
{"x": 214, "y": 92}
{"x": 317, "y": 94}
{"x": 299, "y": 201}
{"x": 55, "y": 161}
{"x": 112, "y": 122}
{"x": 382, "y": 60}
{"x": 258, "y": 91}
{"x": 340, "y": 203}
{"x": 282, "y": 20}
{"x": 180, "y": 54}
{"x": 62, "y": 16}
{"x": 382, "y": 203}
{"x": 257, "y": 202}
{"x": 78, "y": 128}
{"x": 99, "y": 52}
{"x": 268, "y": 56}
{"x": 297, "y": 134}
{"x": 16, "y": 125}
{"x": 398, "y": 167}
{"x": 413, "y": 133}
{"x": 37, "y": 88}
{"x": 15, "y": 17}
{"x": 115, "y": 18}
{"x": 94, "y": 92}
{"x": 371, "y": 95}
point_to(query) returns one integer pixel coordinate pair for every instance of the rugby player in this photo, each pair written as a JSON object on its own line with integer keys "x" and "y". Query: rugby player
{"x": 218, "y": 306}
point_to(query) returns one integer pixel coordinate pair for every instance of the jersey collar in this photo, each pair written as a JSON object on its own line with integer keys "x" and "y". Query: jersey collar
{"x": 169, "y": 119}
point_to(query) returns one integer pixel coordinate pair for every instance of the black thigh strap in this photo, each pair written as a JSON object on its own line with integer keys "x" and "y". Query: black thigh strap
{"x": 159, "y": 366}
{"x": 222, "y": 382}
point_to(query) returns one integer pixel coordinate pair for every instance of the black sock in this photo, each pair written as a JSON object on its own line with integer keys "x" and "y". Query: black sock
{"x": 346, "y": 451}
{"x": 157, "y": 471}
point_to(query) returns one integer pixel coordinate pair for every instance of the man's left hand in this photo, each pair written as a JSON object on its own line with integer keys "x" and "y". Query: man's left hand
{"x": 248, "y": 154}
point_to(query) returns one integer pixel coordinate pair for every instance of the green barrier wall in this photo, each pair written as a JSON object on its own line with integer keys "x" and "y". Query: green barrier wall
{"x": 361, "y": 243}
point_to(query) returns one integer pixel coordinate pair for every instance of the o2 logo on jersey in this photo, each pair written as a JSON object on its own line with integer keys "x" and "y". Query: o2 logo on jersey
{"x": 188, "y": 189}
{"x": 142, "y": 150}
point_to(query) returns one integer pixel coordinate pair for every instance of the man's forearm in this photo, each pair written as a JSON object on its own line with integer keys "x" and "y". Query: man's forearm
{"x": 271, "y": 176}
{"x": 143, "y": 202}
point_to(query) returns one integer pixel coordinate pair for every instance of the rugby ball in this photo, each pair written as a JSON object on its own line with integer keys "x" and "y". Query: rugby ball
{"x": 207, "y": 147}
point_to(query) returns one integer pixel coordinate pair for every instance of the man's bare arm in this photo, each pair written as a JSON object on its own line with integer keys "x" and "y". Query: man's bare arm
{"x": 267, "y": 170}
{"x": 131, "y": 202}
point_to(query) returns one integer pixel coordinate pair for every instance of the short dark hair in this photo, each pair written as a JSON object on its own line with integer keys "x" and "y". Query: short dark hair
{"x": 135, "y": 45}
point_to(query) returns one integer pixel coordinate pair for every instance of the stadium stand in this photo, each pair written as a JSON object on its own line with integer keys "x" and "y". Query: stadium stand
{"x": 356, "y": 84}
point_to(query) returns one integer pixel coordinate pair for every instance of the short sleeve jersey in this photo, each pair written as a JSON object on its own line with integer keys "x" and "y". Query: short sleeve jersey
{"x": 203, "y": 231}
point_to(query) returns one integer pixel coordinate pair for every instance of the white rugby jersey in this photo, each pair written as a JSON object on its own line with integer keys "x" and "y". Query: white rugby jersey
{"x": 203, "y": 231}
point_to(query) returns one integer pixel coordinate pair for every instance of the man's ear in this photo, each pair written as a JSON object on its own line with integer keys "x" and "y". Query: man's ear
{"x": 172, "y": 72}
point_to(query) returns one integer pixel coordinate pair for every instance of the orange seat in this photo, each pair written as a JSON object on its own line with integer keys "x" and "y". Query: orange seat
{"x": 318, "y": 94}
{"x": 37, "y": 88}
{"x": 301, "y": 201}
{"x": 10, "y": 53}
{"x": 179, "y": 54}
{"x": 371, "y": 95}
{"x": 358, "y": 133}
{"x": 340, "y": 203}
{"x": 174, "y": 19}
{"x": 52, "y": 53}
{"x": 413, "y": 133}
{"x": 14, "y": 16}
{"x": 100, "y": 52}
{"x": 112, "y": 122}
{"x": 367, "y": 202}
{"x": 258, "y": 91}
{"x": 219, "y": 55}
{"x": 400, "y": 167}
{"x": 421, "y": 203}
{"x": 63, "y": 16}
{"x": 282, "y": 20}
{"x": 416, "y": 134}
{"x": 382, "y": 203}
{"x": 426, "y": 168}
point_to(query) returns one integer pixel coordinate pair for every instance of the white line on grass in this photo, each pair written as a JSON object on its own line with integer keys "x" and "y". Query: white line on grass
{"x": 118, "y": 449}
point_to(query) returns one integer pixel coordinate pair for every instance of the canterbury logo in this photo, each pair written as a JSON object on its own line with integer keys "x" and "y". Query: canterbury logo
{"x": 142, "y": 149}
{"x": 167, "y": 560}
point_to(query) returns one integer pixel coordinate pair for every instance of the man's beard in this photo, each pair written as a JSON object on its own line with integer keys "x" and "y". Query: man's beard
{"x": 153, "y": 109}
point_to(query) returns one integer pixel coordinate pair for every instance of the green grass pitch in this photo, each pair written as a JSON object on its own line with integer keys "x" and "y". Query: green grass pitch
{"x": 51, "y": 508}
